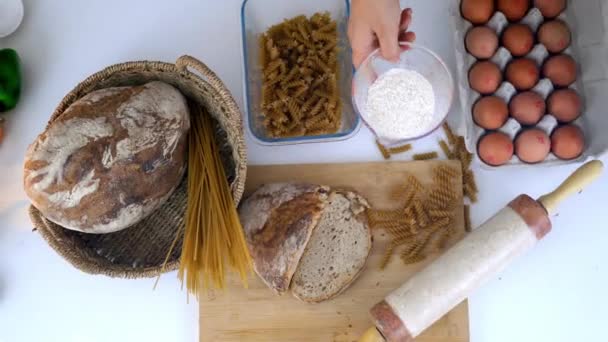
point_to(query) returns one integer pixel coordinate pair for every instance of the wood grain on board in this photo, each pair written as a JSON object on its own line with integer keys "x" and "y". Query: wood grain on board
{"x": 257, "y": 315}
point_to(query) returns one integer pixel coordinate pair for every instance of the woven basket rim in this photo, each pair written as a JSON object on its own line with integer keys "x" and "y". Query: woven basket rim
{"x": 212, "y": 84}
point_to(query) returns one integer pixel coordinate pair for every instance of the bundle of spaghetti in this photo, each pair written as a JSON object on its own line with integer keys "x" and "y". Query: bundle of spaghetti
{"x": 299, "y": 68}
{"x": 213, "y": 234}
{"x": 426, "y": 156}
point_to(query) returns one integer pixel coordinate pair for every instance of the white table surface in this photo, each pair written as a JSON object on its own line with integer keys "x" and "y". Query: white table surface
{"x": 557, "y": 292}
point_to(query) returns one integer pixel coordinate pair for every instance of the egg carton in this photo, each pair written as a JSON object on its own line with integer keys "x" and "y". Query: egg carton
{"x": 539, "y": 53}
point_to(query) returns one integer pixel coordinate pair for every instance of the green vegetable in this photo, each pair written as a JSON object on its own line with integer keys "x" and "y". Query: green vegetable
{"x": 10, "y": 79}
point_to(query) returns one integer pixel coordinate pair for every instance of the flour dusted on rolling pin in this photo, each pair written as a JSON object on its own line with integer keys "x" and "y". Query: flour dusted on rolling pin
{"x": 401, "y": 104}
{"x": 427, "y": 298}
{"x": 434, "y": 291}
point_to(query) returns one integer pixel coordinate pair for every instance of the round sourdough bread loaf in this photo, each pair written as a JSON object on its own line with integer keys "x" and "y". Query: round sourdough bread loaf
{"x": 110, "y": 159}
{"x": 306, "y": 237}
{"x": 278, "y": 220}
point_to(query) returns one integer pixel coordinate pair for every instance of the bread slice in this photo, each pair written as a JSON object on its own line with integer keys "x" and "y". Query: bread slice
{"x": 337, "y": 251}
{"x": 278, "y": 220}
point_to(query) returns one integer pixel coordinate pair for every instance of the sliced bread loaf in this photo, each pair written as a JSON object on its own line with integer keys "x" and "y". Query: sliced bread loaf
{"x": 337, "y": 250}
{"x": 278, "y": 220}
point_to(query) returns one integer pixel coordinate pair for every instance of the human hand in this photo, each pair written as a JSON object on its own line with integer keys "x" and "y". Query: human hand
{"x": 376, "y": 23}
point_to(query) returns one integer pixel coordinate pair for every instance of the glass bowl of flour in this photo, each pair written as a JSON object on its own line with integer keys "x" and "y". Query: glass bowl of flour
{"x": 403, "y": 100}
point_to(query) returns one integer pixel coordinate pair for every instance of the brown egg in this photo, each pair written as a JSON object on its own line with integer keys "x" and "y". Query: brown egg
{"x": 550, "y": 8}
{"x": 477, "y": 11}
{"x": 490, "y": 112}
{"x": 485, "y": 77}
{"x": 567, "y": 142}
{"x": 523, "y": 73}
{"x": 565, "y": 105}
{"x": 495, "y": 148}
{"x": 527, "y": 108}
{"x": 561, "y": 70}
{"x": 514, "y": 10}
{"x": 532, "y": 145}
{"x": 554, "y": 35}
{"x": 518, "y": 39}
{"x": 481, "y": 42}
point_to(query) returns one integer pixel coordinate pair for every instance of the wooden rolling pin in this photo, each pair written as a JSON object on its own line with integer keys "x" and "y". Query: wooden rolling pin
{"x": 437, "y": 289}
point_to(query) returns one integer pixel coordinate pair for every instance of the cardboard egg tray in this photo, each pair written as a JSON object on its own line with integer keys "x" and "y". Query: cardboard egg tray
{"x": 506, "y": 91}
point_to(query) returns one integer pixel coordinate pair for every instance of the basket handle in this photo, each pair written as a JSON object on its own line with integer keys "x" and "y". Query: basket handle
{"x": 186, "y": 61}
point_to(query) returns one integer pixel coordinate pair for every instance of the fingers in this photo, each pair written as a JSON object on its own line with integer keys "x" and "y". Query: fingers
{"x": 406, "y": 19}
{"x": 409, "y": 37}
{"x": 388, "y": 37}
{"x": 374, "y": 26}
{"x": 359, "y": 56}
{"x": 362, "y": 41}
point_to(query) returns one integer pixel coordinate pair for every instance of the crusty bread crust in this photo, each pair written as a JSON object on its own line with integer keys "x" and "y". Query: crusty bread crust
{"x": 110, "y": 159}
{"x": 278, "y": 220}
{"x": 359, "y": 206}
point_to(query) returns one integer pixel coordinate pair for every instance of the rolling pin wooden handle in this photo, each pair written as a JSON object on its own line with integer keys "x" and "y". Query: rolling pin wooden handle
{"x": 582, "y": 177}
{"x": 372, "y": 335}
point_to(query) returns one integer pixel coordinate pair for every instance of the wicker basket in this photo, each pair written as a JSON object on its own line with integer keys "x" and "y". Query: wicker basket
{"x": 139, "y": 251}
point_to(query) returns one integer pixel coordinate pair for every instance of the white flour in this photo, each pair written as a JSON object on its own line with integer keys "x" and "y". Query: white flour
{"x": 400, "y": 105}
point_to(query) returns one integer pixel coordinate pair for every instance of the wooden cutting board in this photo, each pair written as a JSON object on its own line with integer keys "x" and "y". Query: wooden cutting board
{"x": 256, "y": 314}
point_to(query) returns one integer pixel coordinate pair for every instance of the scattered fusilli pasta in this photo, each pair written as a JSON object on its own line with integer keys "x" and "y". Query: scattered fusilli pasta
{"x": 425, "y": 222}
{"x": 426, "y": 156}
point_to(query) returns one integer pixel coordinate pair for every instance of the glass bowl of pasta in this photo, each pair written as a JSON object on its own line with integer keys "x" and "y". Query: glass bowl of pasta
{"x": 403, "y": 100}
{"x": 297, "y": 71}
